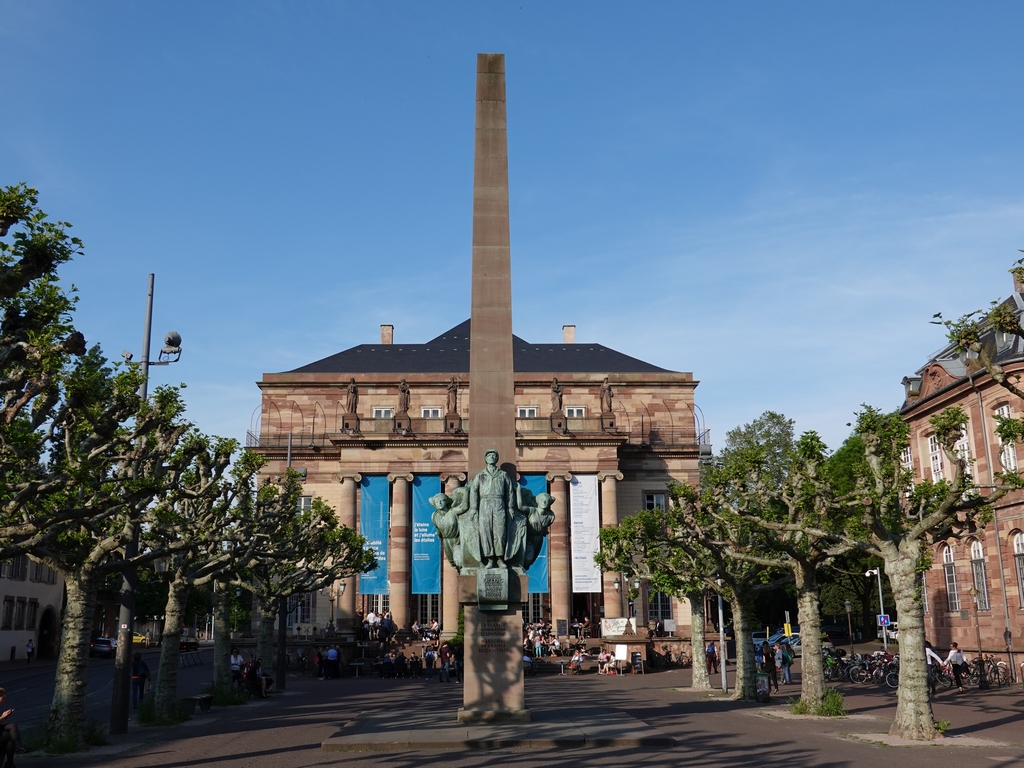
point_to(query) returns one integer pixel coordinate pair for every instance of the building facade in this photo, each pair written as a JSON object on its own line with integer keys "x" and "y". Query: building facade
{"x": 975, "y": 584}
{"x": 33, "y": 598}
{"x": 378, "y": 428}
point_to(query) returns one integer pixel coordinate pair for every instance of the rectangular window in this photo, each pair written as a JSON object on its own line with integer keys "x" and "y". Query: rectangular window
{"x": 924, "y": 592}
{"x": 535, "y": 608}
{"x": 1019, "y": 559}
{"x": 38, "y": 571}
{"x": 382, "y": 413}
{"x": 30, "y": 617}
{"x": 379, "y": 604}
{"x": 8, "y": 617}
{"x": 575, "y": 412}
{"x": 527, "y": 411}
{"x": 952, "y": 597}
{"x": 980, "y": 584}
{"x": 428, "y": 608}
{"x": 654, "y": 501}
{"x": 304, "y": 503}
{"x": 302, "y": 609}
{"x": 963, "y": 445}
{"x": 19, "y": 614}
{"x": 1007, "y": 451}
{"x": 935, "y": 452}
{"x": 51, "y": 575}
{"x": 659, "y": 606}
{"x": 431, "y": 413}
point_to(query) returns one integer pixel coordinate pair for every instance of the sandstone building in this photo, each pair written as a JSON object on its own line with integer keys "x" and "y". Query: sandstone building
{"x": 378, "y": 453}
{"x": 992, "y": 560}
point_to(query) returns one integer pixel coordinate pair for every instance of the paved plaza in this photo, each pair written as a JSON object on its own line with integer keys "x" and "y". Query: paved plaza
{"x": 288, "y": 730}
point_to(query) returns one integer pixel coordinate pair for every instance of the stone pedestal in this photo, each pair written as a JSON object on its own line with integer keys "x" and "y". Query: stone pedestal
{"x": 402, "y": 422}
{"x": 453, "y": 423}
{"x": 349, "y": 421}
{"x": 557, "y": 423}
{"x": 493, "y": 690}
{"x": 607, "y": 422}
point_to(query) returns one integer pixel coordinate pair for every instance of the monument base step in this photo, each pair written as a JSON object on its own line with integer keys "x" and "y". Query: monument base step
{"x": 549, "y": 729}
{"x": 495, "y": 716}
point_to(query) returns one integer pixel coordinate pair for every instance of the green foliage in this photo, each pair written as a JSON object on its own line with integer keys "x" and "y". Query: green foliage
{"x": 831, "y": 705}
{"x": 226, "y": 697}
{"x": 146, "y": 714}
{"x": 942, "y": 726}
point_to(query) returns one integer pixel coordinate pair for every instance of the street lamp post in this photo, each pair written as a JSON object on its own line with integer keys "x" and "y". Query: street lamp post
{"x": 849, "y": 623}
{"x": 121, "y": 691}
{"x": 881, "y": 606}
{"x": 983, "y": 678}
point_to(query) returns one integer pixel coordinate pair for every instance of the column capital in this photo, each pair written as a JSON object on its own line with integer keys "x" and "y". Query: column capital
{"x": 602, "y": 476}
{"x": 392, "y": 476}
{"x": 560, "y": 476}
{"x": 460, "y": 476}
{"x": 353, "y": 476}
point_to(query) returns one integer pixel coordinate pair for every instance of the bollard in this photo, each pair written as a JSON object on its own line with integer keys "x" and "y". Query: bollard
{"x": 14, "y": 651}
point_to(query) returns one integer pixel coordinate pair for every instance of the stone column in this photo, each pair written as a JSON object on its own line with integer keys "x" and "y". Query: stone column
{"x": 399, "y": 563}
{"x": 345, "y": 615}
{"x": 610, "y": 519}
{"x": 449, "y": 578}
{"x": 559, "y": 556}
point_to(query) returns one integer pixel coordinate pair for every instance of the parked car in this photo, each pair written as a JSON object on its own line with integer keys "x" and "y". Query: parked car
{"x": 836, "y": 632}
{"x": 188, "y": 643}
{"x": 103, "y": 646}
{"x": 892, "y": 631}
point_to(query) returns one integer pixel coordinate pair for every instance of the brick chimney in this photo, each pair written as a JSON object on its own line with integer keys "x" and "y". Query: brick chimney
{"x": 387, "y": 334}
{"x": 568, "y": 334}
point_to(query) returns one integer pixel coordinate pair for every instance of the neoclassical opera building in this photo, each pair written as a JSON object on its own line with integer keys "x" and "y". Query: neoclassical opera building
{"x": 379, "y": 428}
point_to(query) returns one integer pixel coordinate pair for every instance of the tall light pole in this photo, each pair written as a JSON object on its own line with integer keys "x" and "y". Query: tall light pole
{"x": 881, "y": 606}
{"x": 849, "y": 624}
{"x": 983, "y": 679}
{"x": 121, "y": 692}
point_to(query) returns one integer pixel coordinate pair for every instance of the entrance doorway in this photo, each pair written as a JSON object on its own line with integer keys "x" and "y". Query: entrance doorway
{"x": 47, "y": 641}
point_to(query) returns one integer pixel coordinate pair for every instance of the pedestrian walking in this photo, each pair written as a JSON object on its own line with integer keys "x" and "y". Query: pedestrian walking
{"x": 712, "y": 656}
{"x": 955, "y": 659}
{"x": 931, "y": 657}
{"x": 769, "y": 666}
{"x": 446, "y": 665}
{"x": 140, "y": 673}
{"x": 30, "y": 648}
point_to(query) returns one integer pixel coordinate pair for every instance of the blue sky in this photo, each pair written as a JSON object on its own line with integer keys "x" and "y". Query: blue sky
{"x": 774, "y": 196}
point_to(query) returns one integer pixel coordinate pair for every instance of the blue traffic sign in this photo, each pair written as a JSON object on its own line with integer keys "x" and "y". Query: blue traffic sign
{"x": 883, "y": 620}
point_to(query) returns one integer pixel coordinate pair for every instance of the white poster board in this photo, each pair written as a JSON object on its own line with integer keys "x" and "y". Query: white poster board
{"x": 585, "y": 526}
{"x": 621, "y": 653}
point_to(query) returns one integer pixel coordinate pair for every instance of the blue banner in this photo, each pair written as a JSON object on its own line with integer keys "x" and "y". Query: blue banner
{"x": 538, "y": 572}
{"x": 426, "y": 544}
{"x": 374, "y": 514}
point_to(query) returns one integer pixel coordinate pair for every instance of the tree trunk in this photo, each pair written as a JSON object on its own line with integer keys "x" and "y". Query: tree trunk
{"x": 67, "y": 713}
{"x": 166, "y": 693}
{"x": 265, "y": 635}
{"x": 812, "y": 676}
{"x": 221, "y": 637}
{"x": 742, "y": 611}
{"x": 914, "y": 718}
{"x": 700, "y": 679}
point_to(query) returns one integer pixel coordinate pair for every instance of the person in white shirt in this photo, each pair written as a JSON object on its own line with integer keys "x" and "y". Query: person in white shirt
{"x": 956, "y": 659}
{"x": 236, "y": 664}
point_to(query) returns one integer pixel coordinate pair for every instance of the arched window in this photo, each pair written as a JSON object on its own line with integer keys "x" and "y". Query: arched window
{"x": 949, "y": 567}
{"x": 1007, "y": 451}
{"x": 980, "y": 576}
{"x": 1018, "y": 556}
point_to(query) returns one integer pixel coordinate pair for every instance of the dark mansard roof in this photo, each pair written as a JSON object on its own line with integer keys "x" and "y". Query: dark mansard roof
{"x": 449, "y": 353}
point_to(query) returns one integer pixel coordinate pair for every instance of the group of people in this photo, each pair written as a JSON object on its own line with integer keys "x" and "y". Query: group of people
{"x": 328, "y": 661}
{"x": 430, "y": 632}
{"x": 376, "y": 627}
{"x": 250, "y": 674}
{"x": 440, "y": 657}
{"x": 771, "y": 659}
{"x": 539, "y": 641}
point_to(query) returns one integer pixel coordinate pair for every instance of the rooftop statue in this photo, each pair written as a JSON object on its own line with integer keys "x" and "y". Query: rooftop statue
{"x": 492, "y": 522}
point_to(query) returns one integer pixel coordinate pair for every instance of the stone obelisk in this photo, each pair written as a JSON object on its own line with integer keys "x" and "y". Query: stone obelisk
{"x": 492, "y": 386}
{"x": 493, "y": 689}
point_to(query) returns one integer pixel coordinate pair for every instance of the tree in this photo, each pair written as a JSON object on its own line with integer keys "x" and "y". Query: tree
{"x": 81, "y": 454}
{"x": 898, "y": 521}
{"x": 303, "y": 550}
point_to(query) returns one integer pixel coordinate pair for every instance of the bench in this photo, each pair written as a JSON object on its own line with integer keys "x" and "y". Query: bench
{"x": 188, "y": 704}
